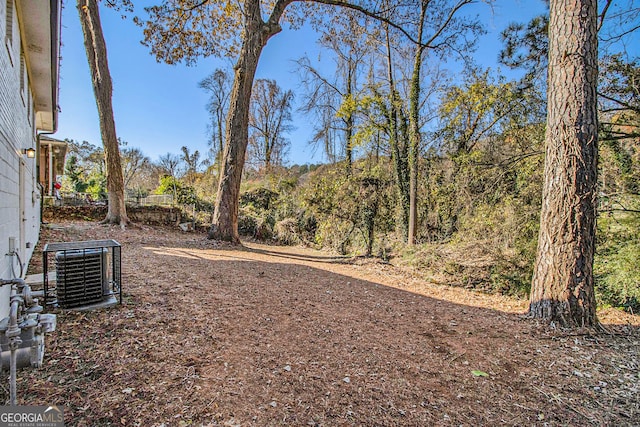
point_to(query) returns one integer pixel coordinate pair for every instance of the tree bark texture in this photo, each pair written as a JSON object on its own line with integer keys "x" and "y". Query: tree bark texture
{"x": 414, "y": 132}
{"x": 414, "y": 148}
{"x": 563, "y": 285}
{"x": 96, "y": 50}
{"x": 256, "y": 34}
{"x": 398, "y": 151}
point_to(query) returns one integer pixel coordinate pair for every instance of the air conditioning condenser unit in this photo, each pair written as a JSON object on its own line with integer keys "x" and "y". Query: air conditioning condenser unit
{"x": 87, "y": 274}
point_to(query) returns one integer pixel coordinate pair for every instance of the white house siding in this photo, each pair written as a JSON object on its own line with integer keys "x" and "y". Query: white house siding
{"x": 16, "y": 134}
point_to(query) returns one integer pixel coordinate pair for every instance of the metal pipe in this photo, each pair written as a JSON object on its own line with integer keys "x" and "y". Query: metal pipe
{"x": 13, "y": 334}
{"x": 13, "y": 331}
{"x": 13, "y": 392}
{"x": 23, "y": 306}
{"x": 13, "y": 312}
{"x": 18, "y": 282}
{"x": 50, "y": 169}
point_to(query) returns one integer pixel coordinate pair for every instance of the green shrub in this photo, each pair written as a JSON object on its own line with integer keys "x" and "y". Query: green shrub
{"x": 260, "y": 198}
{"x": 255, "y": 223}
{"x": 287, "y": 232}
{"x": 616, "y": 264}
{"x": 510, "y": 278}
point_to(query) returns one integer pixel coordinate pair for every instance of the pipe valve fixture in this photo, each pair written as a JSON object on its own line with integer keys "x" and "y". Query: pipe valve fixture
{"x": 22, "y": 332}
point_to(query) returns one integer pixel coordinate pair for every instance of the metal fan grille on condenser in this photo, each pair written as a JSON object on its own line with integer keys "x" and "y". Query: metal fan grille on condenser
{"x": 81, "y": 277}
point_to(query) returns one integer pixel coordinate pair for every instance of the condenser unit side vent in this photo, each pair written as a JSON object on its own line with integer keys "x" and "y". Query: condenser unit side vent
{"x": 81, "y": 277}
{"x": 87, "y": 274}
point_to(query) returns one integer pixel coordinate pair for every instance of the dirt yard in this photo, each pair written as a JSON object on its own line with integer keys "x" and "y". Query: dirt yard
{"x": 216, "y": 335}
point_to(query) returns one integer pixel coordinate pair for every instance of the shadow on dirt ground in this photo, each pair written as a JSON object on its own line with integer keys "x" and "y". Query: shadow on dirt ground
{"x": 211, "y": 334}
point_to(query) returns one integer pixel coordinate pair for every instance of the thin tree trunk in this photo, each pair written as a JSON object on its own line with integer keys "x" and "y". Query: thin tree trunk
{"x": 349, "y": 119}
{"x": 96, "y": 49}
{"x": 414, "y": 132}
{"x": 399, "y": 156}
{"x": 220, "y": 144}
{"x": 225, "y": 216}
{"x": 563, "y": 284}
{"x": 349, "y": 143}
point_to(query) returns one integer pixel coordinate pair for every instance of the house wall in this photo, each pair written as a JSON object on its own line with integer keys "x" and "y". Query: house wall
{"x": 19, "y": 194}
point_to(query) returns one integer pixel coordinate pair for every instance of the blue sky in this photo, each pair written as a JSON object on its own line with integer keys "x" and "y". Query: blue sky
{"x": 159, "y": 108}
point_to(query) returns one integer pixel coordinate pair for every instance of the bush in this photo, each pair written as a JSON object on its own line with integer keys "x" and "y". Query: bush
{"x": 352, "y": 211}
{"x": 616, "y": 264}
{"x": 508, "y": 277}
{"x": 260, "y": 198}
{"x": 255, "y": 223}
{"x": 287, "y": 232}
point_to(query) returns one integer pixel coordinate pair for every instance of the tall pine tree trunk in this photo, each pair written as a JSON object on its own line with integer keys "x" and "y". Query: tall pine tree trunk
{"x": 563, "y": 284}
{"x": 225, "y": 216}
{"x": 96, "y": 49}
